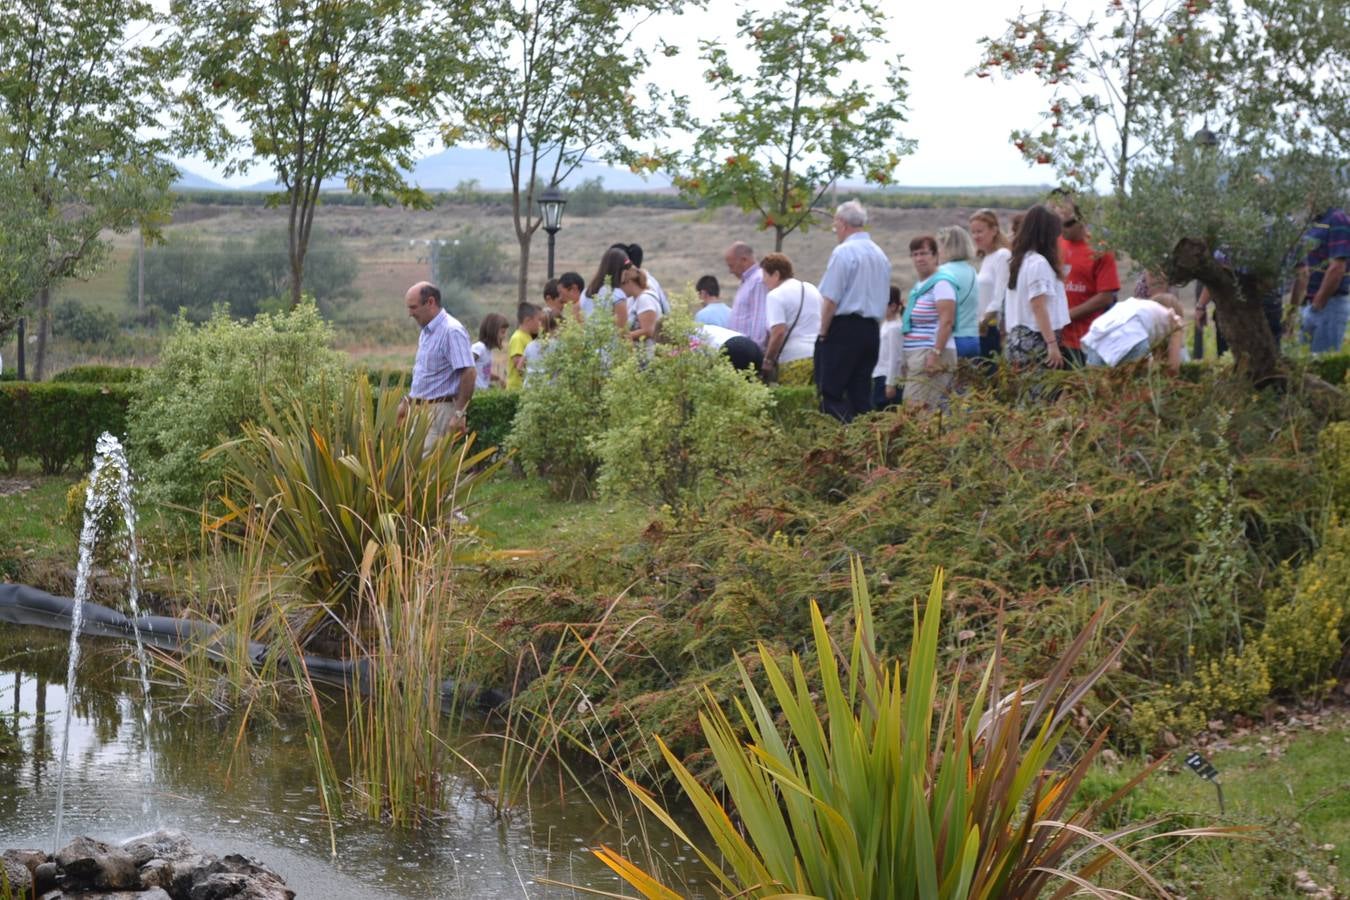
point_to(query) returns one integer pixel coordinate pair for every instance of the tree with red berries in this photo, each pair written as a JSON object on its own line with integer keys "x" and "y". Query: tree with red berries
{"x": 1214, "y": 152}
{"x": 801, "y": 120}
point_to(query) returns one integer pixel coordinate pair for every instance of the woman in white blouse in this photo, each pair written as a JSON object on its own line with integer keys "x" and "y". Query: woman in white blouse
{"x": 993, "y": 250}
{"x": 792, "y": 312}
{"x": 1134, "y": 329}
{"x": 643, "y": 306}
{"x": 1036, "y": 307}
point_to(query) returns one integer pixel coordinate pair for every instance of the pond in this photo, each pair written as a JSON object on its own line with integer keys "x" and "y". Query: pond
{"x": 257, "y": 794}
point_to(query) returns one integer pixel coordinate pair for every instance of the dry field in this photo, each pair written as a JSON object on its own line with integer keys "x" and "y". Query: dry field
{"x": 680, "y": 246}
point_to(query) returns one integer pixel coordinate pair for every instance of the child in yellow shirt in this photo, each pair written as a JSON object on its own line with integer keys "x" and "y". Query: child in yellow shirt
{"x": 527, "y": 319}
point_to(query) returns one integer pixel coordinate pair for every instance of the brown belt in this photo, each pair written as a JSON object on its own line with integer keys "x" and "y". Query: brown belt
{"x": 445, "y": 399}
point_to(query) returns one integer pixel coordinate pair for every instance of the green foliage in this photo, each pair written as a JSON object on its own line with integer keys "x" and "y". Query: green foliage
{"x": 99, "y": 374}
{"x": 325, "y": 484}
{"x": 798, "y": 122}
{"x": 1195, "y": 110}
{"x": 82, "y": 154}
{"x": 197, "y": 275}
{"x": 845, "y": 787}
{"x": 588, "y": 198}
{"x": 74, "y": 321}
{"x": 213, "y": 378}
{"x": 491, "y": 415}
{"x": 678, "y": 421}
{"x": 473, "y": 257}
{"x": 57, "y": 424}
{"x": 1039, "y": 514}
{"x": 23, "y": 240}
{"x": 111, "y": 542}
{"x": 530, "y": 79}
{"x": 560, "y": 415}
{"x": 321, "y": 91}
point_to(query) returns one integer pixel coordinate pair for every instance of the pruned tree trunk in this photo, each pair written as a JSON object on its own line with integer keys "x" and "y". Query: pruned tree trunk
{"x": 1237, "y": 298}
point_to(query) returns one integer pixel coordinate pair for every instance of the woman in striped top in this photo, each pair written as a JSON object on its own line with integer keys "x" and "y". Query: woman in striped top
{"x": 928, "y": 325}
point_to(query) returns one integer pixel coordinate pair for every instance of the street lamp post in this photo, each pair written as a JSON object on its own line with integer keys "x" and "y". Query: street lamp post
{"x": 551, "y": 204}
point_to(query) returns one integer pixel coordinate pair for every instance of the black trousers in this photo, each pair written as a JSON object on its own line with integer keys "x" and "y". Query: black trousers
{"x": 844, "y": 363}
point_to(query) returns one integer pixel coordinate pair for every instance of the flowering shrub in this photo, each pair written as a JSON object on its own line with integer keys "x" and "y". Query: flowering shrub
{"x": 678, "y": 420}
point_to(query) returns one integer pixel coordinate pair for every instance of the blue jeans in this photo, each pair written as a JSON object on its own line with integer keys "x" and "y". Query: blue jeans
{"x": 1138, "y": 351}
{"x": 1324, "y": 328}
{"x": 968, "y": 347}
{"x": 879, "y": 400}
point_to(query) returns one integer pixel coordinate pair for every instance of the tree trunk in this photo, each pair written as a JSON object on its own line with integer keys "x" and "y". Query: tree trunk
{"x": 778, "y": 233}
{"x": 523, "y": 280}
{"x": 297, "y": 277}
{"x": 1237, "y": 300}
{"x": 44, "y": 330}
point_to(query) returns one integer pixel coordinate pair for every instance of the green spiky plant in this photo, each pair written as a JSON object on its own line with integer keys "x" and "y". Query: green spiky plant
{"x": 330, "y": 479}
{"x": 880, "y": 787}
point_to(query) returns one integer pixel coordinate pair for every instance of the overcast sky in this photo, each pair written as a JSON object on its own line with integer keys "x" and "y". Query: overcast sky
{"x": 961, "y": 123}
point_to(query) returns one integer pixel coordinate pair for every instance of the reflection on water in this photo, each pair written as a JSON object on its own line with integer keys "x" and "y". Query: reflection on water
{"x": 251, "y": 790}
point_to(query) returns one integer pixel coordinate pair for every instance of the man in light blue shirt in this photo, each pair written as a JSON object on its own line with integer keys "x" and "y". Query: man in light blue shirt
{"x": 854, "y": 292}
{"x": 443, "y": 372}
{"x": 714, "y": 311}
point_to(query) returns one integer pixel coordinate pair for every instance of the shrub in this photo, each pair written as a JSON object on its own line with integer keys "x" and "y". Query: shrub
{"x": 678, "y": 420}
{"x": 197, "y": 275}
{"x": 322, "y": 485}
{"x": 589, "y": 198}
{"x": 57, "y": 424}
{"x": 213, "y": 378}
{"x": 111, "y": 541}
{"x": 74, "y": 321}
{"x": 560, "y": 414}
{"x": 471, "y": 257}
{"x": 490, "y": 416}
{"x": 99, "y": 374}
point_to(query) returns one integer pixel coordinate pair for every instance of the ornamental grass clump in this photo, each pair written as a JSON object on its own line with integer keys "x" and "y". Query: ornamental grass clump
{"x": 333, "y": 480}
{"x": 869, "y": 781}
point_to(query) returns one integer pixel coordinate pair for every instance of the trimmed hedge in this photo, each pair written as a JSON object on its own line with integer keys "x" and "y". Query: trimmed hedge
{"x": 99, "y": 375}
{"x": 492, "y": 414}
{"x": 57, "y": 424}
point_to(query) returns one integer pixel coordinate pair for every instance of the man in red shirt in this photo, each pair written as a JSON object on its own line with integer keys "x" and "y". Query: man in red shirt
{"x": 1090, "y": 277}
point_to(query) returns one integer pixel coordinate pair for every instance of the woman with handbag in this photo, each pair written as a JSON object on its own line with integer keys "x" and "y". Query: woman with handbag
{"x": 792, "y": 312}
{"x": 929, "y": 326}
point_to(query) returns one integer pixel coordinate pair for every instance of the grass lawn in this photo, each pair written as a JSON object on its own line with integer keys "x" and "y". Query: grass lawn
{"x": 515, "y": 512}
{"x": 1290, "y": 784}
{"x": 31, "y": 530}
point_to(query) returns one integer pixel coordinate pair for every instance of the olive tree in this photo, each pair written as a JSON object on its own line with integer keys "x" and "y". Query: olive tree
{"x": 801, "y": 119}
{"x": 1215, "y": 162}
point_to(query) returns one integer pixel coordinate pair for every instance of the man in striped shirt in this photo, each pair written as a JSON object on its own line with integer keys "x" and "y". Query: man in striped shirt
{"x": 748, "y": 312}
{"x": 443, "y": 373}
{"x": 1323, "y": 281}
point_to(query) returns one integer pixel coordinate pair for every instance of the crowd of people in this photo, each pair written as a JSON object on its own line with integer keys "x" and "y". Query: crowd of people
{"x": 1041, "y": 295}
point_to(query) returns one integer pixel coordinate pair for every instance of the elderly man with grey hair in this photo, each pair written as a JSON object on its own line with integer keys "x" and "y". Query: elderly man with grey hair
{"x": 749, "y": 308}
{"x": 854, "y": 291}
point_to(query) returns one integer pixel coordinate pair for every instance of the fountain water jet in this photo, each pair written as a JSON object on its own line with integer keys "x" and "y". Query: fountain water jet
{"x": 108, "y": 456}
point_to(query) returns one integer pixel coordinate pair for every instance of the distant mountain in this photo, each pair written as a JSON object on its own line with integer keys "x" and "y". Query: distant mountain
{"x": 191, "y": 181}
{"x": 444, "y": 171}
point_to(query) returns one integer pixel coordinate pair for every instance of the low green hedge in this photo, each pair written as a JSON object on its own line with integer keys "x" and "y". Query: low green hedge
{"x": 57, "y": 424}
{"x": 99, "y": 375}
{"x": 491, "y": 415}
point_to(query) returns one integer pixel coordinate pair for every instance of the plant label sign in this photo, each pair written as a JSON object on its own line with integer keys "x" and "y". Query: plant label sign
{"x": 1202, "y": 767}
